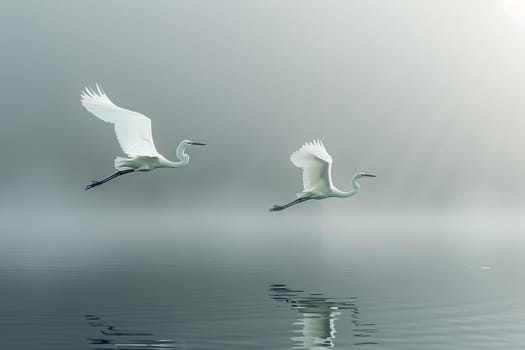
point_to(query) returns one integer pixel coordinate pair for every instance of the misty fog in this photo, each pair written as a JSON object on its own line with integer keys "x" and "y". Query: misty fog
{"x": 427, "y": 95}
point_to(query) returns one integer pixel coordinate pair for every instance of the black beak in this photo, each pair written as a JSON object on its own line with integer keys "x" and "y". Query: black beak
{"x": 198, "y": 143}
{"x": 369, "y": 175}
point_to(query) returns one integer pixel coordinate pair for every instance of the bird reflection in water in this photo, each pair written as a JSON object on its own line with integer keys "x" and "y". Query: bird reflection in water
{"x": 113, "y": 338}
{"x": 318, "y": 316}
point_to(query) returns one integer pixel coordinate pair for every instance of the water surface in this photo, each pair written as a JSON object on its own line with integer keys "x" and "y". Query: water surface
{"x": 251, "y": 287}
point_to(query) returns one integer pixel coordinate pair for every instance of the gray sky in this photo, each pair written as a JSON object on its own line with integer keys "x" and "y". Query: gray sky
{"x": 426, "y": 94}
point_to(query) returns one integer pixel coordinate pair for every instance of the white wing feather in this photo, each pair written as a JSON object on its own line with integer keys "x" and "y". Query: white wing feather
{"x": 132, "y": 128}
{"x": 316, "y": 163}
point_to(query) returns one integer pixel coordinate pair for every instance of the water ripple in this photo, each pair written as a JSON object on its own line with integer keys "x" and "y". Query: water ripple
{"x": 316, "y": 325}
{"x": 113, "y": 338}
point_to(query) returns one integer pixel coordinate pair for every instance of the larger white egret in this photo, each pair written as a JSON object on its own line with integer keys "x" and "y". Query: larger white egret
{"x": 316, "y": 163}
{"x": 134, "y": 135}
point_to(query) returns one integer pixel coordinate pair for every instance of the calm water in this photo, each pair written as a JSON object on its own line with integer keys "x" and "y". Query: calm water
{"x": 264, "y": 287}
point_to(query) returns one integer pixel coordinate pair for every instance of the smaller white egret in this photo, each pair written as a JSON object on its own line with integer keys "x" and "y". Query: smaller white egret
{"x": 316, "y": 163}
{"x": 133, "y": 132}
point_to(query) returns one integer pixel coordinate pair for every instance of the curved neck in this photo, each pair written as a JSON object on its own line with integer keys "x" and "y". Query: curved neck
{"x": 181, "y": 153}
{"x": 355, "y": 184}
{"x": 184, "y": 158}
{"x": 355, "y": 188}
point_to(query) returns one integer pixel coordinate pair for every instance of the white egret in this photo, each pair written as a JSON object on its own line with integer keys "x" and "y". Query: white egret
{"x": 316, "y": 163}
{"x": 133, "y": 132}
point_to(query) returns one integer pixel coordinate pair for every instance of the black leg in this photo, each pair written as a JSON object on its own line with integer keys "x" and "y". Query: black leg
{"x": 282, "y": 207}
{"x": 117, "y": 174}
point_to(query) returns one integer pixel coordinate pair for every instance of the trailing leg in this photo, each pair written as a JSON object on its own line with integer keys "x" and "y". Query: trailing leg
{"x": 282, "y": 207}
{"x": 117, "y": 174}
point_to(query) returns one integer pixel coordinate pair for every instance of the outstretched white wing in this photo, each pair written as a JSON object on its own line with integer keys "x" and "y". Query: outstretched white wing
{"x": 316, "y": 163}
{"x": 132, "y": 128}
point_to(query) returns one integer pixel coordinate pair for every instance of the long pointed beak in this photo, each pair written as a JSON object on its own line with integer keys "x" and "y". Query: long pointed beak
{"x": 198, "y": 144}
{"x": 369, "y": 175}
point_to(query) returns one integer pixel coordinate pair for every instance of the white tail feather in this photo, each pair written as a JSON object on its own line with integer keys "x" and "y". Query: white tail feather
{"x": 122, "y": 163}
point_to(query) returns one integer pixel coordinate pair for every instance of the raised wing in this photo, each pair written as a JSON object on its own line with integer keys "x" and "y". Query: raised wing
{"x": 316, "y": 163}
{"x": 132, "y": 128}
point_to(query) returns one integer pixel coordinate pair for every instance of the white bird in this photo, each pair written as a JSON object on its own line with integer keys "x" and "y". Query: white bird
{"x": 134, "y": 135}
{"x": 316, "y": 163}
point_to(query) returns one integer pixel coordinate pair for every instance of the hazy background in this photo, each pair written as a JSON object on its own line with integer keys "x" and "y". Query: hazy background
{"x": 428, "y": 95}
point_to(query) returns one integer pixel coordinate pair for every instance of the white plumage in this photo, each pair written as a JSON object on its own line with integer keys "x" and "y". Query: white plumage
{"x": 316, "y": 163}
{"x": 133, "y": 129}
{"x": 134, "y": 135}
